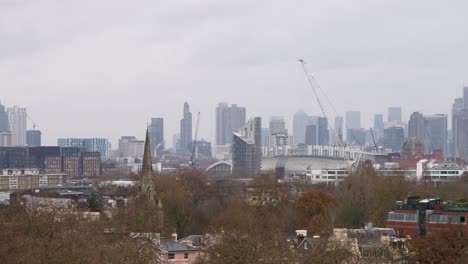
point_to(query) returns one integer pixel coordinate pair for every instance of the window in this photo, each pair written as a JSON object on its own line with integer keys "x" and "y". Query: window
{"x": 185, "y": 255}
{"x": 171, "y": 256}
{"x": 462, "y": 219}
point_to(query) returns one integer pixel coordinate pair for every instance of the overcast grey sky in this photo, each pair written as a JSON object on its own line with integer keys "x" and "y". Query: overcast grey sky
{"x": 92, "y": 68}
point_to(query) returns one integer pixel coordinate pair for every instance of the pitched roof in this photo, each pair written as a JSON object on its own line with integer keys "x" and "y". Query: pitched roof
{"x": 170, "y": 245}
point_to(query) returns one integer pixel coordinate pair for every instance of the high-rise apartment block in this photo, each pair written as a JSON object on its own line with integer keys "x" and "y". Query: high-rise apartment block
{"x": 394, "y": 114}
{"x": 131, "y": 147}
{"x": 431, "y": 131}
{"x": 229, "y": 119}
{"x": 247, "y": 148}
{"x": 186, "y": 131}
{"x": 156, "y": 135}
{"x": 17, "y": 121}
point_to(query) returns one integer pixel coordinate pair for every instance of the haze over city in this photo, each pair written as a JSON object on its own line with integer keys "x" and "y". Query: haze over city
{"x": 104, "y": 68}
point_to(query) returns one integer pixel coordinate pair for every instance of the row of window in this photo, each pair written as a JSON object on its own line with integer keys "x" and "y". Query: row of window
{"x": 441, "y": 218}
{"x": 403, "y": 217}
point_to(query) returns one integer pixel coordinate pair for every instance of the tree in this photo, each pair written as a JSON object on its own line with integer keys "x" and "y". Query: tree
{"x": 314, "y": 211}
{"x": 94, "y": 204}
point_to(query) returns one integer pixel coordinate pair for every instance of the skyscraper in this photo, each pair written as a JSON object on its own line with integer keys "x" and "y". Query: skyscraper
{"x": 247, "y": 148}
{"x": 17, "y": 121}
{"x": 322, "y": 131}
{"x": 353, "y": 119}
{"x": 339, "y": 132}
{"x": 299, "y": 127}
{"x": 156, "y": 135}
{"x": 229, "y": 119}
{"x": 394, "y": 138}
{"x": 4, "y": 125}
{"x": 435, "y": 136}
{"x": 33, "y": 138}
{"x": 394, "y": 114}
{"x": 277, "y": 125}
{"x": 186, "y": 130}
{"x": 311, "y": 135}
{"x": 465, "y": 98}
{"x": 457, "y": 108}
{"x": 378, "y": 126}
{"x": 416, "y": 128}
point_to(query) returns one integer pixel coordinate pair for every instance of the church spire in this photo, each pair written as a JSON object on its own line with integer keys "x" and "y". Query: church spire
{"x": 147, "y": 186}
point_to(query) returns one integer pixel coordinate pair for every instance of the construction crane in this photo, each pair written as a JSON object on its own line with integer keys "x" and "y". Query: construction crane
{"x": 194, "y": 153}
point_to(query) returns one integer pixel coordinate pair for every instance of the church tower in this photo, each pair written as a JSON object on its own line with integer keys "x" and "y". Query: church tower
{"x": 146, "y": 179}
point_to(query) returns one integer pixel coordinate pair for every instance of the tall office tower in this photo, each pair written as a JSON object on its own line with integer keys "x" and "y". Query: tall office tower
{"x": 33, "y": 138}
{"x": 17, "y": 121}
{"x": 101, "y": 145}
{"x": 353, "y": 119}
{"x": 229, "y": 119}
{"x": 265, "y": 135}
{"x": 394, "y": 114}
{"x": 435, "y": 133}
{"x": 299, "y": 127}
{"x": 186, "y": 130}
{"x": 457, "y": 107}
{"x": 277, "y": 125}
{"x": 394, "y": 138}
{"x": 416, "y": 128}
{"x": 4, "y": 125}
{"x": 176, "y": 143}
{"x": 322, "y": 132}
{"x": 465, "y": 98}
{"x": 339, "y": 132}
{"x": 378, "y": 126}
{"x": 460, "y": 134}
{"x": 156, "y": 134}
{"x": 247, "y": 148}
{"x": 311, "y": 135}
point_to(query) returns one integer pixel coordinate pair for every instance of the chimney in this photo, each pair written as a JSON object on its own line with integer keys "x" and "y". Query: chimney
{"x": 174, "y": 236}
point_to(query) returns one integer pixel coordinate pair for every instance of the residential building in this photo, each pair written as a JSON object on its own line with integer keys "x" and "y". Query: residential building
{"x": 33, "y": 138}
{"x": 279, "y": 141}
{"x": 229, "y": 119}
{"x": 22, "y": 178}
{"x": 186, "y": 131}
{"x": 394, "y": 114}
{"x": 17, "y": 121}
{"x": 101, "y": 145}
{"x": 156, "y": 133}
{"x": 300, "y": 122}
{"x": 129, "y": 146}
{"x": 247, "y": 148}
{"x": 394, "y": 138}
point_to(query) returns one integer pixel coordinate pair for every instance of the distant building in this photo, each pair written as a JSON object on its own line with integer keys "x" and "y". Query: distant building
{"x": 394, "y": 114}
{"x": 457, "y": 107}
{"x": 465, "y": 98}
{"x": 247, "y": 148}
{"x": 17, "y": 122}
{"x": 229, "y": 119}
{"x": 311, "y": 135}
{"x": 394, "y": 138}
{"x": 378, "y": 127}
{"x": 416, "y": 128}
{"x": 435, "y": 137}
{"x": 204, "y": 148}
{"x": 356, "y": 136}
{"x": 4, "y": 124}
{"x": 323, "y": 133}
{"x": 300, "y": 122}
{"x": 353, "y": 119}
{"x": 129, "y": 146}
{"x": 156, "y": 133}
{"x": 279, "y": 141}
{"x": 100, "y": 145}
{"x": 278, "y": 125}
{"x": 339, "y": 131}
{"x": 33, "y": 138}
{"x": 186, "y": 131}
{"x": 20, "y": 179}
{"x": 6, "y": 139}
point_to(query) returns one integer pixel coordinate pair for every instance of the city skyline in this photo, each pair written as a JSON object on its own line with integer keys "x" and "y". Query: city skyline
{"x": 105, "y": 68}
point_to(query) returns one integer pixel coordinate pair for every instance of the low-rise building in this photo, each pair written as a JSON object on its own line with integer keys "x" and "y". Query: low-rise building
{"x": 19, "y": 179}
